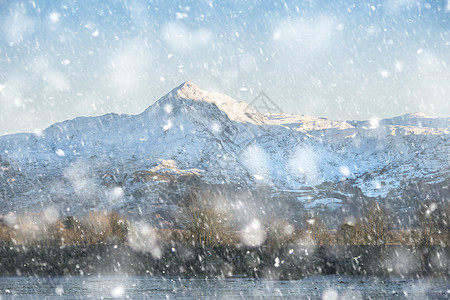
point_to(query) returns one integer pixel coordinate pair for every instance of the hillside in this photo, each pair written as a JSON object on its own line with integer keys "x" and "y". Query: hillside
{"x": 139, "y": 163}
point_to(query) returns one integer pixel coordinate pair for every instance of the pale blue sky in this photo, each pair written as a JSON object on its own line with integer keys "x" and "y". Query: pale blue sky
{"x": 336, "y": 59}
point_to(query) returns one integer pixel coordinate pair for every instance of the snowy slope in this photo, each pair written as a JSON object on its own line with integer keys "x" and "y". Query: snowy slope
{"x": 191, "y": 135}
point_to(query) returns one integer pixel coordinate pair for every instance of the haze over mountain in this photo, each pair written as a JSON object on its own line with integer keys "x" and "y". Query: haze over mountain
{"x": 190, "y": 137}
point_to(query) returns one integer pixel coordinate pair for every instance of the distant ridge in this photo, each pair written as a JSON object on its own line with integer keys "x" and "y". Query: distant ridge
{"x": 191, "y": 136}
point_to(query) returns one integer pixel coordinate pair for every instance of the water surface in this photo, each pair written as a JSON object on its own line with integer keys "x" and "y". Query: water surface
{"x": 142, "y": 287}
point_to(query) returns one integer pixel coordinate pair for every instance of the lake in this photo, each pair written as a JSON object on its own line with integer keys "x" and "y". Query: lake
{"x": 141, "y": 287}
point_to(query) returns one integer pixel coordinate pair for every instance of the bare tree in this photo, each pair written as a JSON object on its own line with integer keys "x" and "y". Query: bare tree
{"x": 97, "y": 227}
{"x": 279, "y": 232}
{"x": 207, "y": 221}
{"x": 434, "y": 223}
{"x": 316, "y": 230}
{"x": 5, "y": 234}
{"x": 376, "y": 223}
{"x": 427, "y": 224}
{"x": 446, "y": 225}
{"x": 350, "y": 234}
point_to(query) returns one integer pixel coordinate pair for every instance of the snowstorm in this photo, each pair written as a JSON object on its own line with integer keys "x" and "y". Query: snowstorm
{"x": 227, "y": 150}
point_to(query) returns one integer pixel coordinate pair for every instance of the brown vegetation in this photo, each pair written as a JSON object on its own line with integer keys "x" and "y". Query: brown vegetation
{"x": 317, "y": 231}
{"x": 98, "y": 227}
{"x": 95, "y": 228}
{"x": 350, "y": 234}
{"x": 434, "y": 223}
{"x": 279, "y": 232}
{"x": 376, "y": 224}
{"x": 208, "y": 222}
{"x": 205, "y": 220}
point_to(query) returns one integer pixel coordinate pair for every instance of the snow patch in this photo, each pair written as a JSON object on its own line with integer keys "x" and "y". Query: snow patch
{"x": 345, "y": 171}
{"x": 257, "y": 161}
{"x": 118, "y": 292}
{"x": 168, "y": 125}
{"x": 60, "y": 152}
{"x": 253, "y": 234}
{"x": 303, "y": 164}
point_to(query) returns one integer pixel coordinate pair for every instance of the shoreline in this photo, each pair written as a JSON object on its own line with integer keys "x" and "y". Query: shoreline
{"x": 286, "y": 263}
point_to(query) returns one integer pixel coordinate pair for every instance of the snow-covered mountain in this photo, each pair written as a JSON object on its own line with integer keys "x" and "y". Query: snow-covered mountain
{"x": 191, "y": 137}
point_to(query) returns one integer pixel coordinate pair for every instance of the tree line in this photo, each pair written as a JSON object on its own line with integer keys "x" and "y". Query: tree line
{"x": 203, "y": 221}
{"x": 210, "y": 224}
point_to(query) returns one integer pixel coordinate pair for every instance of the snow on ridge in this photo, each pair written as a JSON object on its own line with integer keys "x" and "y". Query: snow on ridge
{"x": 236, "y": 111}
{"x": 414, "y": 120}
{"x": 418, "y": 120}
{"x": 211, "y": 135}
{"x": 307, "y": 123}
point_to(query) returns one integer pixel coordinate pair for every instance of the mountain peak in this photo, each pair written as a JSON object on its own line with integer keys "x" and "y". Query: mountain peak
{"x": 189, "y": 90}
{"x": 188, "y": 85}
{"x": 235, "y": 110}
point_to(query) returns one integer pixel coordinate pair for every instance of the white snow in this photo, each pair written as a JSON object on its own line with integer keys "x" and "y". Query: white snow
{"x": 54, "y": 17}
{"x": 345, "y": 171}
{"x": 253, "y": 234}
{"x": 213, "y": 136}
{"x": 277, "y": 262}
{"x": 60, "y": 152}
{"x": 257, "y": 161}
{"x": 59, "y": 290}
{"x": 118, "y": 292}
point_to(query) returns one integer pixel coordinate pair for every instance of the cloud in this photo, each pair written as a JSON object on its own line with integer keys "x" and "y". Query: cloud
{"x": 247, "y": 63}
{"x": 314, "y": 34}
{"x": 128, "y": 67}
{"x": 56, "y": 81}
{"x": 17, "y": 25}
{"x": 179, "y": 37}
{"x": 11, "y": 94}
{"x": 393, "y": 6}
{"x": 322, "y": 60}
{"x": 431, "y": 83}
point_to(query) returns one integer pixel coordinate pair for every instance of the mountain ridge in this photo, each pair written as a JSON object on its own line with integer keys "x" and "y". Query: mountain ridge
{"x": 191, "y": 134}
